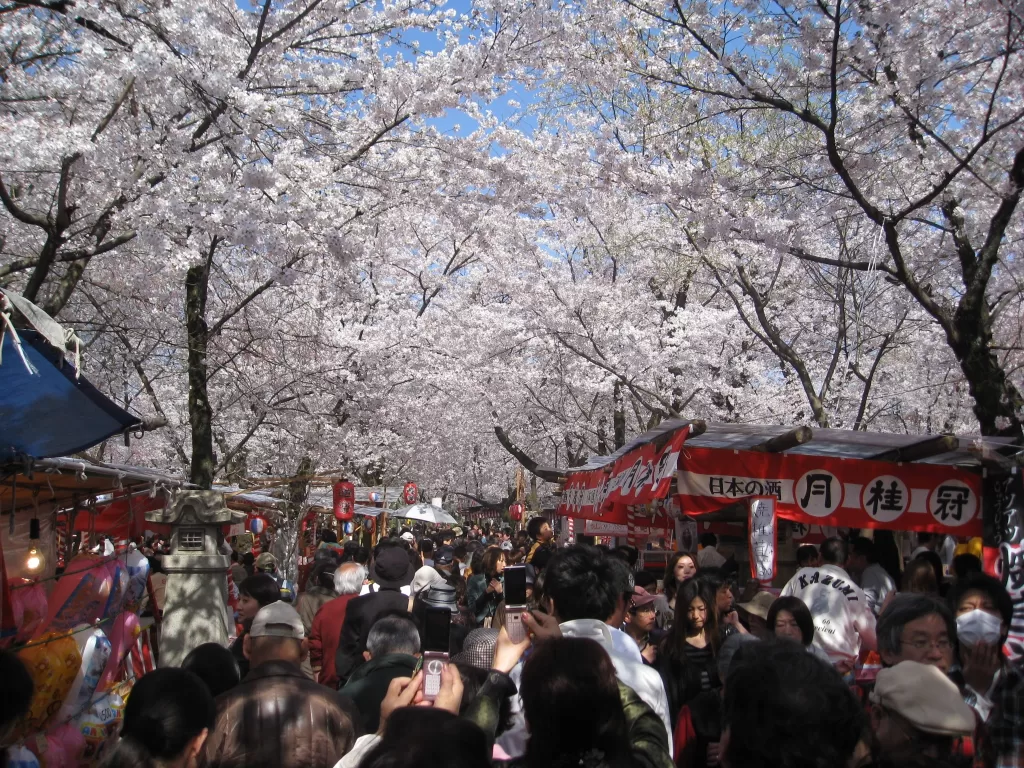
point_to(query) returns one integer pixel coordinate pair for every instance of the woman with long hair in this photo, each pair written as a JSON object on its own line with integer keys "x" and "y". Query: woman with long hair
{"x": 563, "y": 679}
{"x": 166, "y": 721}
{"x": 686, "y": 658}
{"x": 681, "y": 566}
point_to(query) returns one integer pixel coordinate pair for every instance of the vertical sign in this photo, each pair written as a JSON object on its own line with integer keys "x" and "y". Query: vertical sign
{"x": 1003, "y": 501}
{"x": 763, "y": 539}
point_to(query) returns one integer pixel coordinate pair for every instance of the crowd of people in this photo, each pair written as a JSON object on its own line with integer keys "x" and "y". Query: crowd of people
{"x": 618, "y": 668}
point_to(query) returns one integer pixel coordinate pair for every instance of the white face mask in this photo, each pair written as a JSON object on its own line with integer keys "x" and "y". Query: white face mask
{"x": 978, "y": 626}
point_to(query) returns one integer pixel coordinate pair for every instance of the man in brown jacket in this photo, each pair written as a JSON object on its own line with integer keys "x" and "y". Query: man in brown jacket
{"x": 277, "y": 716}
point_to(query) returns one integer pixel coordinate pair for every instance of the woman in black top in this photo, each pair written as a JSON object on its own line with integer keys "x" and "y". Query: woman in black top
{"x": 686, "y": 658}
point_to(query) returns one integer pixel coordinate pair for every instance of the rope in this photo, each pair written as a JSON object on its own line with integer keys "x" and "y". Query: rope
{"x": 5, "y": 313}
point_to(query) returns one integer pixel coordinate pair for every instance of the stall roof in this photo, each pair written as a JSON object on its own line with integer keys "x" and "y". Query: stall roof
{"x": 949, "y": 450}
{"x": 61, "y": 482}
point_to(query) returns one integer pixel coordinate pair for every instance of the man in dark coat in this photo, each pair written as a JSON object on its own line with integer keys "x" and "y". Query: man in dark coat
{"x": 391, "y": 571}
{"x": 392, "y": 649}
{"x": 276, "y": 715}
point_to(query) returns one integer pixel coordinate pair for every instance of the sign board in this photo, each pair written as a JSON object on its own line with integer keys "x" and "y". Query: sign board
{"x": 1004, "y": 548}
{"x": 829, "y": 491}
{"x": 763, "y": 538}
{"x": 639, "y": 477}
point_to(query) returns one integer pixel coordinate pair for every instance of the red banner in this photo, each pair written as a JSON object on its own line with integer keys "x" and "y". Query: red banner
{"x": 641, "y": 476}
{"x": 828, "y": 491}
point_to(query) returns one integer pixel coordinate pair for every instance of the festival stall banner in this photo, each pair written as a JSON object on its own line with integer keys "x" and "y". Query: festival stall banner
{"x": 1004, "y": 549}
{"x": 763, "y": 539}
{"x": 642, "y": 476}
{"x": 830, "y": 491}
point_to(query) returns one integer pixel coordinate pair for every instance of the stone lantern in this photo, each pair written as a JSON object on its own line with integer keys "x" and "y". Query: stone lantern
{"x": 195, "y": 601}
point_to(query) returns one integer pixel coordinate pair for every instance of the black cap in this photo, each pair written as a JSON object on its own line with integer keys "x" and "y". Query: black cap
{"x": 444, "y": 556}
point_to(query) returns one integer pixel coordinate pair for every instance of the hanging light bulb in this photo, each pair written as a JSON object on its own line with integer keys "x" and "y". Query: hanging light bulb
{"x": 34, "y": 558}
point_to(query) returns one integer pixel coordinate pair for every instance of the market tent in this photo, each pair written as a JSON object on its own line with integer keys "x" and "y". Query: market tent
{"x": 46, "y": 408}
{"x": 826, "y": 477}
{"x": 112, "y": 496}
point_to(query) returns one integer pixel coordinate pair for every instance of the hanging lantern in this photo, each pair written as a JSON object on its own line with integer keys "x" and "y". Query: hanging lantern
{"x": 410, "y": 493}
{"x": 257, "y": 525}
{"x": 344, "y": 500}
{"x": 515, "y": 511}
{"x": 375, "y": 497}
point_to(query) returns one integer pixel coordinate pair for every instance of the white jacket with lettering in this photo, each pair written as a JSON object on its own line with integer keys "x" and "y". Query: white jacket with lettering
{"x": 844, "y": 623}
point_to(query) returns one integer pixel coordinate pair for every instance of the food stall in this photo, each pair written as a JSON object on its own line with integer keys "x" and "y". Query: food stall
{"x": 963, "y": 486}
{"x": 70, "y": 614}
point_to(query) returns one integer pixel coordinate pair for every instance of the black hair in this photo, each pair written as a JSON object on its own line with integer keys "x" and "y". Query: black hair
{"x": 261, "y": 587}
{"x": 805, "y": 553}
{"x": 248, "y": 559}
{"x": 862, "y": 545}
{"x": 18, "y": 689}
{"x": 215, "y": 665}
{"x": 708, "y": 540}
{"x": 904, "y": 608}
{"x": 329, "y": 536}
{"x": 670, "y": 585}
{"x": 966, "y": 564}
{"x": 834, "y": 551}
{"x": 563, "y": 678}
{"x": 234, "y": 556}
{"x": 674, "y": 644}
{"x": 533, "y": 527}
{"x": 168, "y": 708}
{"x": 632, "y": 554}
{"x": 583, "y": 584}
{"x": 987, "y": 585}
{"x": 712, "y": 580}
{"x": 786, "y": 708}
{"x": 362, "y": 555}
{"x": 424, "y": 737}
{"x": 802, "y": 615}
{"x": 426, "y": 546}
{"x": 645, "y": 579}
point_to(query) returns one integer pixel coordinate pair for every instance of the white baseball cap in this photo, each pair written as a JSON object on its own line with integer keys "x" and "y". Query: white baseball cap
{"x": 278, "y": 620}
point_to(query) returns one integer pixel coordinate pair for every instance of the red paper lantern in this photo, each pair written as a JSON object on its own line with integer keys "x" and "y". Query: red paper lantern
{"x": 515, "y": 511}
{"x": 410, "y": 493}
{"x": 344, "y": 500}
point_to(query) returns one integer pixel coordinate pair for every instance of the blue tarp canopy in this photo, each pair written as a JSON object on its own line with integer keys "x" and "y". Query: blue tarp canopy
{"x": 48, "y": 413}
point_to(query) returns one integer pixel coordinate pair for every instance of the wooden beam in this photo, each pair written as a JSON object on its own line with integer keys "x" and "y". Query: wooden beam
{"x": 785, "y": 441}
{"x": 933, "y": 446}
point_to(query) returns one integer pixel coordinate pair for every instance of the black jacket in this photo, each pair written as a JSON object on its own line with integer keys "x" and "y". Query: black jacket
{"x": 360, "y": 615}
{"x": 369, "y": 683}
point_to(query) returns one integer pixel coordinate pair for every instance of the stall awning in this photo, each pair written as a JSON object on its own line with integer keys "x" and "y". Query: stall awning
{"x": 45, "y": 411}
{"x": 820, "y": 477}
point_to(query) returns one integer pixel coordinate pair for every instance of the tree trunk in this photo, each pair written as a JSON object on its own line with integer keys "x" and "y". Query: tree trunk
{"x": 200, "y": 414}
{"x": 619, "y": 417}
{"x": 997, "y": 402}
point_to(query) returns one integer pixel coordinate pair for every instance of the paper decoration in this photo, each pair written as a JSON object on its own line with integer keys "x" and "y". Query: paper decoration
{"x": 763, "y": 539}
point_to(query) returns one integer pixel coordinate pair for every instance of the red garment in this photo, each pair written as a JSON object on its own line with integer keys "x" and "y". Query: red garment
{"x": 684, "y": 740}
{"x": 325, "y": 636}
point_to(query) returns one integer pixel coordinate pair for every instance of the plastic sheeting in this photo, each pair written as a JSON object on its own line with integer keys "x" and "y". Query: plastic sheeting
{"x": 49, "y": 412}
